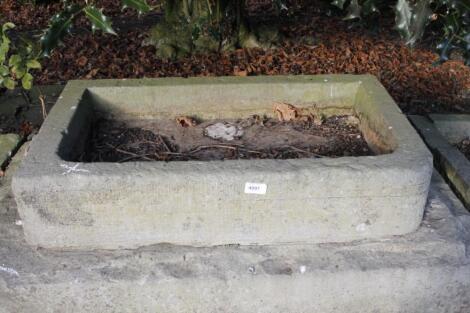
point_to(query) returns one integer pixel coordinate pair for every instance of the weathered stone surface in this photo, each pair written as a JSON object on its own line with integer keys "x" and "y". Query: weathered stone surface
{"x": 5, "y": 180}
{"x": 453, "y": 165}
{"x": 8, "y": 143}
{"x": 454, "y": 127}
{"x": 425, "y": 271}
{"x": 106, "y": 205}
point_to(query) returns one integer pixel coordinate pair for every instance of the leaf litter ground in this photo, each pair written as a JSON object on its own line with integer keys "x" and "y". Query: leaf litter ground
{"x": 464, "y": 147}
{"x": 312, "y": 44}
{"x": 259, "y": 138}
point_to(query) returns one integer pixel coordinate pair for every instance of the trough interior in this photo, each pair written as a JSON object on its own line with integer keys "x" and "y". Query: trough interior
{"x": 224, "y": 101}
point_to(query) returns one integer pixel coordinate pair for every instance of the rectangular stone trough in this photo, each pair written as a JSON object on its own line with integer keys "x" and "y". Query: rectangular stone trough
{"x": 68, "y": 204}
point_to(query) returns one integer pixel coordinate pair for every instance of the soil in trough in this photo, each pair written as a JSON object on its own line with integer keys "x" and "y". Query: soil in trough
{"x": 464, "y": 147}
{"x": 256, "y": 138}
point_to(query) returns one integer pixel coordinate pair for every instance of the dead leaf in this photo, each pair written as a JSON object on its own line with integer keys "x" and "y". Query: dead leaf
{"x": 238, "y": 72}
{"x": 186, "y": 121}
{"x": 307, "y": 118}
{"x": 410, "y": 75}
{"x": 258, "y": 120}
{"x": 286, "y": 112}
{"x": 92, "y": 73}
{"x": 317, "y": 120}
{"x": 82, "y": 61}
{"x": 26, "y": 128}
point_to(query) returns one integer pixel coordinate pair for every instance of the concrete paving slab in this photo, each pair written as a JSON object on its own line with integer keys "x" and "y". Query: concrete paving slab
{"x": 454, "y": 127}
{"x": 452, "y": 164}
{"x": 65, "y": 203}
{"x": 425, "y": 271}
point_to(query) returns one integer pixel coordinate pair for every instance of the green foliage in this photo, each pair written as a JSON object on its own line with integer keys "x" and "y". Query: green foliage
{"x": 16, "y": 63}
{"x": 196, "y": 26}
{"x": 191, "y": 25}
{"x": 61, "y": 24}
{"x": 140, "y": 5}
{"x": 200, "y": 26}
{"x": 98, "y": 20}
{"x": 454, "y": 17}
{"x": 413, "y": 16}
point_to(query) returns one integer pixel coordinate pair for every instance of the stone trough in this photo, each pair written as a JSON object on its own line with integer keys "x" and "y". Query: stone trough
{"x": 68, "y": 204}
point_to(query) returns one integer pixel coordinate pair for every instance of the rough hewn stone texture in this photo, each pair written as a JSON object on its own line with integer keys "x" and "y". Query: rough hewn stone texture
{"x": 454, "y": 127}
{"x": 110, "y": 205}
{"x": 425, "y": 271}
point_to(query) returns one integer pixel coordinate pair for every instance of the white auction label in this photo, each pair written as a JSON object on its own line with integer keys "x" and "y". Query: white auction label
{"x": 256, "y": 188}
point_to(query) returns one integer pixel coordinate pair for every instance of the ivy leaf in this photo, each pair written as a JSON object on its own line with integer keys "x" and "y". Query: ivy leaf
{"x": 59, "y": 26}
{"x": 7, "y": 26}
{"x": 4, "y": 71}
{"x": 4, "y": 48}
{"x": 19, "y": 71}
{"x": 9, "y": 83}
{"x": 15, "y": 60}
{"x": 339, "y": 3}
{"x": 140, "y": 5}
{"x": 5, "y": 41}
{"x": 98, "y": 20}
{"x": 33, "y": 64}
{"x": 27, "y": 81}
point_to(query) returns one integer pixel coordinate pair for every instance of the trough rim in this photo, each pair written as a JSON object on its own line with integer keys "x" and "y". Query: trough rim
{"x": 47, "y": 162}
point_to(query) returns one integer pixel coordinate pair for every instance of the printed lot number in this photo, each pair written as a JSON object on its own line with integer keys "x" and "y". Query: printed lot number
{"x": 256, "y": 188}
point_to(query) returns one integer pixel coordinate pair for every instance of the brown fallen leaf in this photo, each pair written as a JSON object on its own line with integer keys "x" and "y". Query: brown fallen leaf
{"x": 258, "y": 120}
{"x": 186, "y": 121}
{"x": 92, "y": 73}
{"x": 286, "y": 112}
{"x": 238, "y": 72}
{"x": 82, "y": 61}
{"x": 317, "y": 120}
{"x": 26, "y": 128}
{"x": 410, "y": 75}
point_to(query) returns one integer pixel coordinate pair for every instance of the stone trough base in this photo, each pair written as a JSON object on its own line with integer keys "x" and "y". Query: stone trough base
{"x": 426, "y": 271}
{"x": 440, "y": 133}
